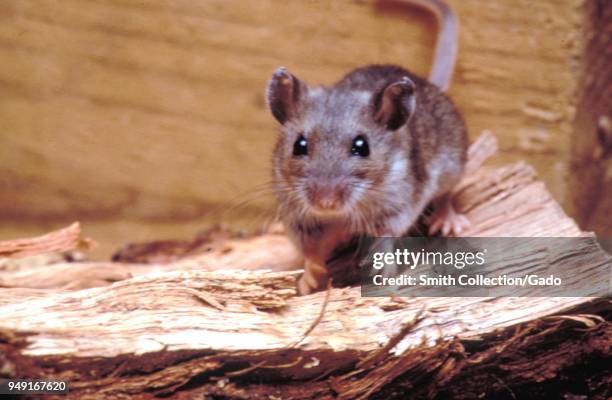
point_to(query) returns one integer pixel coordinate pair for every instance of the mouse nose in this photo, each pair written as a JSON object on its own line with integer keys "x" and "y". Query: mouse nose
{"x": 326, "y": 195}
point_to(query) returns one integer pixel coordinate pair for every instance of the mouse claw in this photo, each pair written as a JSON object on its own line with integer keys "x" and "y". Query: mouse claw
{"x": 460, "y": 223}
{"x": 435, "y": 225}
{"x": 303, "y": 287}
{"x": 314, "y": 278}
{"x": 447, "y": 221}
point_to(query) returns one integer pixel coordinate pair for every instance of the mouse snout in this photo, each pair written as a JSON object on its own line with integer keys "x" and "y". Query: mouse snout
{"x": 326, "y": 196}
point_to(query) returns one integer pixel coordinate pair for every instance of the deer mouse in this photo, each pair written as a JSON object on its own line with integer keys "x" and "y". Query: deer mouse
{"x": 365, "y": 156}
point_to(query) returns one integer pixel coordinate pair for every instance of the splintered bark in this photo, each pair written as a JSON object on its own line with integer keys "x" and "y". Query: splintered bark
{"x": 63, "y": 240}
{"x": 226, "y": 322}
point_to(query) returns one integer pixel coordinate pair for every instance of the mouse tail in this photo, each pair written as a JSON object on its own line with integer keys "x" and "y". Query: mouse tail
{"x": 447, "y": 44}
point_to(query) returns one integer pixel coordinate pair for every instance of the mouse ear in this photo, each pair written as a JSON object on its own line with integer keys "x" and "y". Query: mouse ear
{"x": 395, "y": 104}
{"x": 284, "y": 93}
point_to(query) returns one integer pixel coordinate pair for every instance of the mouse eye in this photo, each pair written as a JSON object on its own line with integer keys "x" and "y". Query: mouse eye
{"x": 300, "y": 147}
{"x": 360, "y": 147}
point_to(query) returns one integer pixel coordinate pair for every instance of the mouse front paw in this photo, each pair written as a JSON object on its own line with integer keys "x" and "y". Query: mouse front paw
{"x": 446, "y": 220}
{"x": 314, "y": 278}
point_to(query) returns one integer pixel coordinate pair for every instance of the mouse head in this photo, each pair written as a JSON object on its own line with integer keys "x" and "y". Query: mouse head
{"x": 340, "y": 150}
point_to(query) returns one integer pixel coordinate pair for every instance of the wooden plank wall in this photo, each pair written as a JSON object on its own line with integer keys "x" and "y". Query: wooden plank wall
{"x": 143, "y": 118}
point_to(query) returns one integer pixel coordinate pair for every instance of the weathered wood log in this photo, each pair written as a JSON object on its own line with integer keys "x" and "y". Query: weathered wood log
{"x": 244, "y": 253}
{"x": 195, "y": 329}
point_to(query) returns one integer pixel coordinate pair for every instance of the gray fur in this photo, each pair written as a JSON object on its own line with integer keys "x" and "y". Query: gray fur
{"x": 408, "y": 167}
